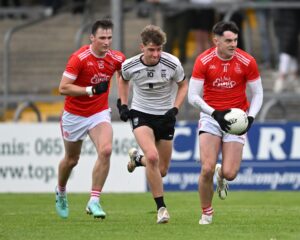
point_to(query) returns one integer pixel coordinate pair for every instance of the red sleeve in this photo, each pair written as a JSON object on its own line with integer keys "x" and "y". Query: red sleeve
{"x": 73, "y": 66}
{"x": 119, "y": 65}
{"x": 253, "y": 72}
{"x": 198, "y": 70}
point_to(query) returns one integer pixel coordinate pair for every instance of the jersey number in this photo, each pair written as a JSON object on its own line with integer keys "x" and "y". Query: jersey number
{"x": 149, "y": 74}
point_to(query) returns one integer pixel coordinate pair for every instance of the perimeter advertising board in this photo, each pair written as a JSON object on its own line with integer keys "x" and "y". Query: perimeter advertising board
{"x": 30, "y": 154}
{"x": 271, "y": 158}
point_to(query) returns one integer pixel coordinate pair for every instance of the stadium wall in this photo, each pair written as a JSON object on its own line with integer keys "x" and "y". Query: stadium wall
{"x": 30, "y": 153}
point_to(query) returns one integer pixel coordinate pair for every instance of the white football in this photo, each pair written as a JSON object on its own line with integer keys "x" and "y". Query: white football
{"x": 238, "y": 119}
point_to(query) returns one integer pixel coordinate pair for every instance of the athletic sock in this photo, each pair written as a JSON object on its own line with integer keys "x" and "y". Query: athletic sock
{"x": 208, "y": 210}
{"x": 160, "y": 202}
{"x": 138, "y": 160}
{"x": 95, "y": 195}
{"x": 61, "y": 190}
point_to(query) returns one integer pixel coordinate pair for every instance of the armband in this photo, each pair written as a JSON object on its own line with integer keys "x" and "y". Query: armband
{"x": 89, "y": 91}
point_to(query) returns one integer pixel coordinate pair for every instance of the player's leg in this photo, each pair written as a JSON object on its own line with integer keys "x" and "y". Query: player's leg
{"x": 136, "y": 159}
{"x": 146, "y": 140}
{"x": 221, "y": 182}
{"x": 164, "y": 129}
{"x": 101, "y": 135}
{"x": 231, "y": 160}
{"x": 227, "y": 171}
{"x": 164, "y": 148}
{"x": 70, "y": 160}
{"x": 209, "y": 149}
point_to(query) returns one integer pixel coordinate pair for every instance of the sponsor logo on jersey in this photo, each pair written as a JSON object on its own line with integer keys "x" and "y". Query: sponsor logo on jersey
{"x": 224, "y": 82}
{"x": 100, "y": 77}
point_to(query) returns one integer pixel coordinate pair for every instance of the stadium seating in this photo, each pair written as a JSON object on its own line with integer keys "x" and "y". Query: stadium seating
{"x": 39, "y": 54}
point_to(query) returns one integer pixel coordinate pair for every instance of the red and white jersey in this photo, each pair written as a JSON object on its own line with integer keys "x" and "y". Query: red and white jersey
{"x": 87, "y": 69}
{"x": 225, "y": 81}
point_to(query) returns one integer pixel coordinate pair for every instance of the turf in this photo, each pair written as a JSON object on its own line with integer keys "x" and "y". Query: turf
{"x": 243, "y": 215}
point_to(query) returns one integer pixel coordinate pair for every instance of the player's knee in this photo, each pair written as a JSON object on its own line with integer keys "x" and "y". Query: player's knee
{"x": 72, "y": 161}
{"x": 152, "y": 157}
{"x": 229, "y": 174}
{"x": 163, "y": 172}
{"x": 207, "y": 171}
{"x": 105, "y": 151}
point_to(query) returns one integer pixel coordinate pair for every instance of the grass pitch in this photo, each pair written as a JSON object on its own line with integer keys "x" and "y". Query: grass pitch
{"x": 243, "y": 215}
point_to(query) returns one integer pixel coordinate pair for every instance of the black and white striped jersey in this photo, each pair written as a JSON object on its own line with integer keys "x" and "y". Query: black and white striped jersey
{"x": 154, "y": 87}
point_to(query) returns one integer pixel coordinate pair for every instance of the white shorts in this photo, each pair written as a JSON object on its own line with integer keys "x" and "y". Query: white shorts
{"x": 208, "y": 124}
{"x": 76, "y": 127}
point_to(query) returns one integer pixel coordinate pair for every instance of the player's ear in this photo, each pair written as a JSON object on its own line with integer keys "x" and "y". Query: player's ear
{"x": 215, "y": 40}
{"x": 142, "y": 47}
{"x": 92, "y": 37}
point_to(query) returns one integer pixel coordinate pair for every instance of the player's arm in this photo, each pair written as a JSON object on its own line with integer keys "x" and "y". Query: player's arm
{"x": 194, "y": 96}
{"x": 123, "y": 90}
{"x": 181, "y": 93}
{"x": 182, "y": 87}
{"x": 68, "y": 88}
{"x": 256, "y": 102}
{"x": 256, "y": 91}
{"x": 180, "y": 96}
{"x": 195, "y": 89}
{"x": 122, "y": 102}
{"x": 118, "y": 79}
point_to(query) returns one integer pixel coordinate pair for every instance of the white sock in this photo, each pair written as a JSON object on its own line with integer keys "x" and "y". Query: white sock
{"x": 95, "y": 195}
{"x": 94, "y": 199}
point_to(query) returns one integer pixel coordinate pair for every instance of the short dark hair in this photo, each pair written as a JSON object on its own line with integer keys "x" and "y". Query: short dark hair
{"x": 220, "y": 27}
{"x": 154, "y": 34}
{"x": 104, "y": 23}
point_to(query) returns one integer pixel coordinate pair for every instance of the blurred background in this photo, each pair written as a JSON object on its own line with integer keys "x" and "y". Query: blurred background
{"x": 39, "y": 36}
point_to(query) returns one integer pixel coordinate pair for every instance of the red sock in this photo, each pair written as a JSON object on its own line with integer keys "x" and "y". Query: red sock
{"x": 208, "y": 210}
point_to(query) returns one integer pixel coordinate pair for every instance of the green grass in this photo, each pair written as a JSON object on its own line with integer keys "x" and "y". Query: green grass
{"x": 243, "y": 215}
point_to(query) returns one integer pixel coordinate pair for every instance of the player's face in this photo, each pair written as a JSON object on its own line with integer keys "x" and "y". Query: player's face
{"x": 101, "y": 41}
{"x": 152, "y": 53}
{"x": 226, "y": 44}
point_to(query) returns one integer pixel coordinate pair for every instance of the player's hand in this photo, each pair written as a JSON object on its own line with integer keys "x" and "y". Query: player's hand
{"x": 250, "y": 121}
{"x": 123, "y": 111}
{"x": 171, "y": 113}
{"x": 170, "y": 117}
{"x": 100, "y": 88}
{"x": 119, "y": 104}
{"x": 219, "y": 117}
